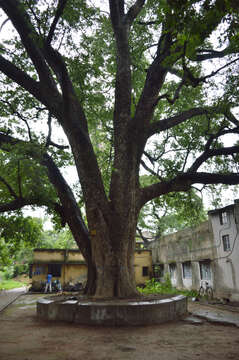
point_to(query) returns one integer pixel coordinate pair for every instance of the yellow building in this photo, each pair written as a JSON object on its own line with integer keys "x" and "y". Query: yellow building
{"x": 69, "y": 266}
{"x": 142, "y": 265}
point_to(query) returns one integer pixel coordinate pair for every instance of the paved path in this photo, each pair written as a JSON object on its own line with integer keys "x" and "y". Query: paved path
{"x": 8, "y": 296}
{"x": 214, "y": 314}
{"x": 198, "y": 311}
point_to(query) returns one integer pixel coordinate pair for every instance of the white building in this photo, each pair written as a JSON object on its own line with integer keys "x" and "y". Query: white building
{"x": 209, "y": 252}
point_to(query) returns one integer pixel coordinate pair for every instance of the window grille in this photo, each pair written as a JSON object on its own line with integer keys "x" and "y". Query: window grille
{"x": 145, "y": 271}
{"x": 205, "y": 270}
{"x": 172, "y": 270}
{"x": 54, "y": 270}
{"x": 223, "y": 218}
{"x": 226, "y": 243}
{"x": 187, "y": 270}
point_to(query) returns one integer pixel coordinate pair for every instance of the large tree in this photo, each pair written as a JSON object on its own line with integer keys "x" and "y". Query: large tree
{"x": 129, "y": 85}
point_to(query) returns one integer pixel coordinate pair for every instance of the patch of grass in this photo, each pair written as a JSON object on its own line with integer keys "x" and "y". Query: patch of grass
{"x": 10, "y": 284}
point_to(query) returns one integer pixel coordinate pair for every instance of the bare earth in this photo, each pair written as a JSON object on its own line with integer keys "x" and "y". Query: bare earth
{"x": 25, "y": 337}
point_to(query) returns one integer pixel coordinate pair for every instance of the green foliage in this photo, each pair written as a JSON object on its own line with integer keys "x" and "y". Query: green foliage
{"x": 7, "y": 272}
{"x": 18, "y": 236}
{"x": 154, "y": 287}
{"x": 84, "y": 36}
{"x": 56, "y": 239}
{"x": 172, "y": 212}
{"x": 18, "y": 231}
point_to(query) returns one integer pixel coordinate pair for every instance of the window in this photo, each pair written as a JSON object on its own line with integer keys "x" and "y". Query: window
{"x": 223, "y": 218}
{"x": 54, "y": 270}
{"x": 187, "y": 270}
{"x": 145, "y": 271}
{"x": 226, "y": 243}
{"x": 205, "y": 270}
{"x": 172, "y": 270}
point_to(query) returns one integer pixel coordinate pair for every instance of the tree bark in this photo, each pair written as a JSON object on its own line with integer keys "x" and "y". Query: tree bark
{"x": 112, "y": 246}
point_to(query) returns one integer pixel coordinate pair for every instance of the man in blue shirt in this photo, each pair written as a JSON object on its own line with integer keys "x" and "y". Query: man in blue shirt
{"x": 48, "y": 283}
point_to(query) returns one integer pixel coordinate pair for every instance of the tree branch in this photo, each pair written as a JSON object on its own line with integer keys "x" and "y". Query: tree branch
{"x": 135, "y": 10}
{"x": 29, "y": 38}
{"x": 176, "y": 119}
{"x": 10, "y": 189}
{"x": 211, "y": 54}
{"x": 20, "y": 116}
{"x": 154, "y": 81}
{"x": 145, "y": 240}
{"x": 19, "y": 180}
{"x": 116, "y": 12}
{"x": 59, "y": 11}
{"x": 229, "y": 115}
{"x": 70, "y": 208}
{"x": 21, "y": 78}
{"x": 148, "y": 169}
{"x": 183, "y": 182}
{"x": 211, "y": 153}
{"x": 18, "y": 204}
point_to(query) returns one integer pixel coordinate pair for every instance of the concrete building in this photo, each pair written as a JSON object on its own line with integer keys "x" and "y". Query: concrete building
{"x": 69, "y": 266}
{"x": 209, "y": 252}
{"x": 142, "y": 265}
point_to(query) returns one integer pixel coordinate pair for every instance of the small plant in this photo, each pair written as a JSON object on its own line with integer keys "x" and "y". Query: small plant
{"x": 155, "y": 287}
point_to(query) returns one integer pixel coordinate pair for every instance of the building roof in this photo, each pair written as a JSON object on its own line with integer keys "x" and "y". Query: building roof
{"x": 225, "y": 208}
{"x": 56, "y": 250}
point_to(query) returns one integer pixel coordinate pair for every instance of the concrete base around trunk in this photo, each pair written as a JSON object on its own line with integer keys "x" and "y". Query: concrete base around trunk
{"x": 113, "y": 312}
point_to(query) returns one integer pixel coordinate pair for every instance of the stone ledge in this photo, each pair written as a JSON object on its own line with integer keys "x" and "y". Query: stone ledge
{"x": 113, "y": 313}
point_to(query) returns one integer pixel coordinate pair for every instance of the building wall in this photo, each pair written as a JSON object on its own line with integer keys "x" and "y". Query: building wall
{"x": 142, "y": 266}
{"x": 39, "y": 272}
{"x": 75, "y": 273}
{"x": 204, "y": 250}
{"x": 74, "y": 269}
{"x": 69, "y": 273}
{"x": 226, "y": 260}
{"x": 179, "y": 254}
{"x": 52, "y": 255}
{"x": 73, "y": 266}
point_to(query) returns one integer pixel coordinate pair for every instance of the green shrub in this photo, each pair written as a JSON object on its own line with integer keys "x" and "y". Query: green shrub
{"x": 8, "y": 272}
{"x": 155, "y": 287}
{"x": 20, "y": 269}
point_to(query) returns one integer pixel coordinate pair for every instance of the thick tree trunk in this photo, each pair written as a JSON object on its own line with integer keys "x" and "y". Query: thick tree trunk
{"x": 114, "y": 272}
{"x": 112, "y": 247}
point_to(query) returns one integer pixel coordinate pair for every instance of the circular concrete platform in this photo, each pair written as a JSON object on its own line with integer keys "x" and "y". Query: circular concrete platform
{"x": 113, "y": 312}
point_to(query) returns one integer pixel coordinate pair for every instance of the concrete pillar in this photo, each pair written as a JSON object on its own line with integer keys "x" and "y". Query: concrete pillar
{"x": 179, "y": 275}
{"x": 195, "y": 275}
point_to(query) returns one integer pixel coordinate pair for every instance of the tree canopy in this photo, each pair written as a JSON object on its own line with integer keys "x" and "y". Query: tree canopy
{"x": 17, "y": 234}
{"x": 118, "y": 89}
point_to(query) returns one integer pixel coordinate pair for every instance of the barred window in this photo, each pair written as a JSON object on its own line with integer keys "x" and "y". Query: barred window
{"x": 145, "y": 270}
{"x": 205, "y": 270}
{"x": 187, "y": 270}
{"x": 223, "y": 217}
{"x": 226, "y": 243}
{"x": 54, "y": 270}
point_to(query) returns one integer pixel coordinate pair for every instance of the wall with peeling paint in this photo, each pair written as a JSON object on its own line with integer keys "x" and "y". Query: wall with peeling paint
{"x": 208, "y": 252}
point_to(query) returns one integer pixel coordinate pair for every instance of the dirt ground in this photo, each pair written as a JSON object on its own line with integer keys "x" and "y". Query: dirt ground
{"x": 25, "y": 337}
